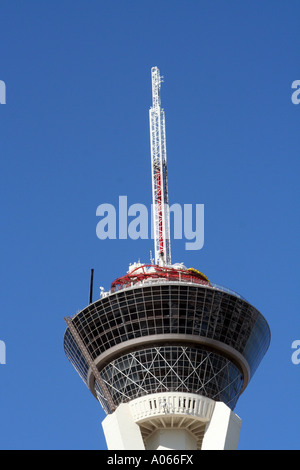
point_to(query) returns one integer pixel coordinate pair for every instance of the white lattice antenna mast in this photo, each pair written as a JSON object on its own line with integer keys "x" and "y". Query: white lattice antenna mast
{"x": 161, "y": 215}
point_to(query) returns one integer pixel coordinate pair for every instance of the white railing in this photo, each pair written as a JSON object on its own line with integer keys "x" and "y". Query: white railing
{"x": 175, "y": 403}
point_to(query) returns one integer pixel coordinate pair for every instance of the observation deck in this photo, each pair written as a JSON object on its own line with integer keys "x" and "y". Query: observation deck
{"x": 166, "y": 329}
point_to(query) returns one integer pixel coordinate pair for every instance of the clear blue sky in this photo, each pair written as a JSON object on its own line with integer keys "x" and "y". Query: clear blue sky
{"x": 74, "y": 134}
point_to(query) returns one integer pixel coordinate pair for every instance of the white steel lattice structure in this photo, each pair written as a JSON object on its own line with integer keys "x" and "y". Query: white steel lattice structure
{"x": 166, "y": 352}
{"x": 161, "y": 217}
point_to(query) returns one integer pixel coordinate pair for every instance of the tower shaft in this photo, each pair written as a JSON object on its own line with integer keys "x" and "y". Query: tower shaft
{"x": 161, "y": 216}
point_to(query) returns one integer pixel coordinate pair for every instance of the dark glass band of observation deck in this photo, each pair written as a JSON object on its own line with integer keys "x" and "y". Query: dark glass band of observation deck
{"x": 171, "y": 369}
{"x": 168, "y": 339}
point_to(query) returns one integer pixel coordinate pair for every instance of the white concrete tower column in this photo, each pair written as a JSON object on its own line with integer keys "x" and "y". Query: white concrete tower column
{"x": 172, "y": 421}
